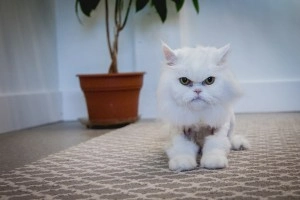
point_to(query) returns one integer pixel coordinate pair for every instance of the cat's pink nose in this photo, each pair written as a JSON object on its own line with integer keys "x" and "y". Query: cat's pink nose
{"x": 197, "y": 91}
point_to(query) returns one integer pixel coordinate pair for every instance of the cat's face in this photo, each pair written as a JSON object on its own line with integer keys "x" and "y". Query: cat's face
{"x": 197, "y": 78}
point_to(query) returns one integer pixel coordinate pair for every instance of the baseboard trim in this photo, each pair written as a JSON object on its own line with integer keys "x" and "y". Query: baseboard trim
{"x": 74, "y": 106}
{"x": 24, "y": 110}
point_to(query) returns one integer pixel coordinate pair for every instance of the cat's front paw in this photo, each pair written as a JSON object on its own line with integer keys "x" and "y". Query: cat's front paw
{"x": 214, "y": 161}
{"x": 182, "y": 163}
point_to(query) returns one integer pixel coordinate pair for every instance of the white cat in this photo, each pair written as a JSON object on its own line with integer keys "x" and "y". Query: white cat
{"x": 195, "y": 97}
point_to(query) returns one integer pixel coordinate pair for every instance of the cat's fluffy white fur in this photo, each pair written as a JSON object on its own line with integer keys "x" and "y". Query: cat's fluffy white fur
{"x": 198, "y": 104}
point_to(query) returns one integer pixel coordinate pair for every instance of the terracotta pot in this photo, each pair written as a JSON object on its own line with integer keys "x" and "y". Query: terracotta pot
{"x": 111, "y": 99}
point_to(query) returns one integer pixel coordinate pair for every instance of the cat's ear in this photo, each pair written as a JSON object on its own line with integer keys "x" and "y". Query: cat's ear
{"x": 169, "y": 54}
{"x": 222, "y": 54}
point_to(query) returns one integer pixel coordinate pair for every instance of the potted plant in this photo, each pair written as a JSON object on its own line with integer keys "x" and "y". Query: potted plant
{"x": 112, "y": 98}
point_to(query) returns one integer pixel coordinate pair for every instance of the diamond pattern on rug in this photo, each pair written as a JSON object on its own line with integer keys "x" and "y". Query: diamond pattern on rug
{"x": 130, "y": 163}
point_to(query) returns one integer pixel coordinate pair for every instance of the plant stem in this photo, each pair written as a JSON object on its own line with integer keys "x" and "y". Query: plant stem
{"x": 107, "y": 29}
{"x": 126, "y": 16}
{"x": 119, "y": 26}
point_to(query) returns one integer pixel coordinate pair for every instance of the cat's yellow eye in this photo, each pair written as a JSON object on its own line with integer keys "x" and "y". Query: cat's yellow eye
{"x": 185, "y": 81}
{"x": 210, "y": 80}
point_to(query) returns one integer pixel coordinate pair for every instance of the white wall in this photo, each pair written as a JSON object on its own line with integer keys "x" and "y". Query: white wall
{"x": 29, "y": 93}
{"x": 43, "y": 47}
{"x": 264, "y": 36}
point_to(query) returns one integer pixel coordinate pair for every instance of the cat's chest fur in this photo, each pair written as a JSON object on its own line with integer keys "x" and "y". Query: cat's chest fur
{"x": 198, "y": 133}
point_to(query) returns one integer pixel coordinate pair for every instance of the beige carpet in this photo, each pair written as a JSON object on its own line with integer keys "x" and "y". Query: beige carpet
{"x": 129, "y": 163}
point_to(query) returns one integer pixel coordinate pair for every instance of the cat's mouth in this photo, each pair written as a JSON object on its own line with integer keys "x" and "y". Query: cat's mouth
{"x": 198, "y": 99}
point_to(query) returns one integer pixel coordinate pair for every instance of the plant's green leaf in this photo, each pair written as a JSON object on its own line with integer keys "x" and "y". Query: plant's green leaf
{"x": 161, "y": 8}
{"x": 179, "y": 4}
{"x": 196, "y": 5}
{"x": 140, "y": 4}
{"x": 87, "y": 6}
